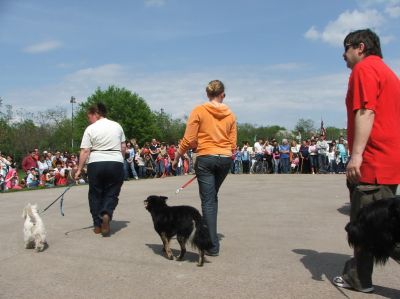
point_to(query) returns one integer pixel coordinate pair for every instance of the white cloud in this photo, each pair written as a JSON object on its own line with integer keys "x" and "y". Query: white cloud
{"x": 348, "y": 21}
{"x": 312, "y": 33}
{"x": 393, "y": 11}
{"x": 43, "y": 47}
{"x": 256, "y": 94}
{"x": 155, "y": 3}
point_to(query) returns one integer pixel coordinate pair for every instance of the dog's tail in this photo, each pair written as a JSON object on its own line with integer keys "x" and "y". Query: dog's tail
{"x": 201, "y": 238}
{"x": 28, "y": 212}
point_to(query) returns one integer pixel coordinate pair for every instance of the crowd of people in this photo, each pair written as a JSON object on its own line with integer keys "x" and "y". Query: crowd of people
{"x": 313, "y": 155}
{"x": 154, "y": 160}
{"x": 44, "y": 169}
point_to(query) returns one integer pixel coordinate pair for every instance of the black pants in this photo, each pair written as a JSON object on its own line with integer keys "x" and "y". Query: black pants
{"x": 105, "y": 181}
{"x": 246, "y": 166}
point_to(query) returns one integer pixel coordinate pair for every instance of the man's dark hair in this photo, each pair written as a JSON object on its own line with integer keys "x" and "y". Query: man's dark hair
{"x": 366, "y": 36}
{"x": 98, "y": 108}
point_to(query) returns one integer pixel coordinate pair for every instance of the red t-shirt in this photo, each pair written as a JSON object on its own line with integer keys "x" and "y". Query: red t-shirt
{"x": 374, "y": 86}
{"x": 171, "y": 153}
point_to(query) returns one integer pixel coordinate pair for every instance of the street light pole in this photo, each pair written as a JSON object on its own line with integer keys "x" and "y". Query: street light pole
{"x": 72, "y": 101}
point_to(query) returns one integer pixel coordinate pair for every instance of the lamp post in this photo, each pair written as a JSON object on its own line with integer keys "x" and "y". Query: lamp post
{"x": 72, "y": 101}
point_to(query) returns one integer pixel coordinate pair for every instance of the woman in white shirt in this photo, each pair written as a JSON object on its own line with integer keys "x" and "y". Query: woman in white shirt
{"x": 103, "y": 143}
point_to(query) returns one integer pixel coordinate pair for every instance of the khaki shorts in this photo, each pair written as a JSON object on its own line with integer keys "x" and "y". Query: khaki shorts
{"x": 364, "y": 194}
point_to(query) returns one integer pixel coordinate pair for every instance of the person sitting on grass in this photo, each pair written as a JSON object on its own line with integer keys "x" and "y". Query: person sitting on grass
{"x": 32, "y": 180}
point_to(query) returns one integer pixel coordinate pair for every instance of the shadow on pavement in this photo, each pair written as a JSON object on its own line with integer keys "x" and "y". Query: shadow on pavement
{"x": 322, "y": 263}
{"x": 117, "y": 225}
{"x": 331, "y": 265}
{"x": 159, "y": 250}
{"x": 387, "y": 292}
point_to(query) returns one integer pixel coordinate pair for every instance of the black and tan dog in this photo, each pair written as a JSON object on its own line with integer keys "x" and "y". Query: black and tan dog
{"x": 377, "y": 229}
{"x": 184, "y": 222}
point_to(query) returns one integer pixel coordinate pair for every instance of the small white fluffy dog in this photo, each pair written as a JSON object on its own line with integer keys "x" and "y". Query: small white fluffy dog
{"x": 34, "y": 231}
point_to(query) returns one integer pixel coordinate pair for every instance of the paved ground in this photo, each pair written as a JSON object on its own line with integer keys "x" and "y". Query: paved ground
{"x": 282, "y": 237}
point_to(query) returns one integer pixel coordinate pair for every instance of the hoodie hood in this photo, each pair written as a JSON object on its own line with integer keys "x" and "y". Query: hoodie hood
{"x": 219, "y": 111}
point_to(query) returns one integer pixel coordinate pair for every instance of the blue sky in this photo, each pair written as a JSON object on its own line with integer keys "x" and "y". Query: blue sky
{"x": 280, "y": 60}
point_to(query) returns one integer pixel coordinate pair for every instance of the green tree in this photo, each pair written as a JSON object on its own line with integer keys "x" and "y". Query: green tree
{"x": 127, "y": 108}
{"x": 248, "y": 132}
{"x": 306, "y": 127}
{"x": 333, "y": 133}
{"x": 170, "y": 130}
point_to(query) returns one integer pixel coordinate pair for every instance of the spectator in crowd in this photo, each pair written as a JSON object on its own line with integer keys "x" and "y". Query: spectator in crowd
{"x": 284, "y": 151}
{"x": 149, "y": 166}
{"x": 48, "y": 179}
{"x": 313, "y": 156}
{"x": 36, "y": 154}
{"x": 12, "y": 180}
{"x": 332, "y": 167}
{"x": 4, "y": 165}
{"x": 294, "y": 149}
{"x": 294, "y": 164}
{"x": 237, "y": 161}
{"x": 42, "y": 164}
{"x": 268, "y": 148}
{"x": 258, "y": 150}
{"x": 129, "y": 163}
{"x": 304, "y": 157}
{"x": 246, "y": 159}
{"x": 155, "y": 152}
{"x": 171, "y": 152}
{"x": 2, "y": 183}
{"x": 32, "y": 180}
{"x": 139, "y": 157}
{"x": 47, "y": 159}
{"x": 29, "y": 162}
{"x": 342, "y": 155}
{"x": 323, "y": 148}
{"x": 275, "y": 157}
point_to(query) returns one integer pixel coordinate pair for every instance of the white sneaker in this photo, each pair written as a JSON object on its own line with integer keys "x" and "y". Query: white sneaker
{"x": 341, "y": 283}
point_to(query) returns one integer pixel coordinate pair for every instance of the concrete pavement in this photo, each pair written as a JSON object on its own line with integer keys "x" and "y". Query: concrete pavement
{"x": 282, "y": 236}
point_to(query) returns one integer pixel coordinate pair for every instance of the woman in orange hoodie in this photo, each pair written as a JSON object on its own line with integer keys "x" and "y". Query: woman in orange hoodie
{"x": 211, "y": 130}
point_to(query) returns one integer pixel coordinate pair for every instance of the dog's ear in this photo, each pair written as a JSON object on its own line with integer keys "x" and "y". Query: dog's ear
{"x": 164, "y": 198}
{"x": 354, "y": 234}
{"x": 25, "y": 210}
{"x": 24, "y": 213}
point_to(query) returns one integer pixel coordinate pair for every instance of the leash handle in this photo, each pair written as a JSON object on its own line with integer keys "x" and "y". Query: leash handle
{"x": 186, "y": 184}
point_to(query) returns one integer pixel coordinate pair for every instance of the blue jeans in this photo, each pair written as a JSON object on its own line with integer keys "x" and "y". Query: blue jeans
{"x": 211, "y": 171}
{"x": 128, "y": 165}
{"x": 285, "y": 165}
{"x": 275, "y": 164}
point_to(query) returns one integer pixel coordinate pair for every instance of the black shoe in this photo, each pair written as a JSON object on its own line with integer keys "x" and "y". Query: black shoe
{"x": 210, "y": 253}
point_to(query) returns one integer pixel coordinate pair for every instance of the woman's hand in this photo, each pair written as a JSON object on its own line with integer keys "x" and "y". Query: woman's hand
{"x": 77, "y": 174}
{"x": 174, "y": 164}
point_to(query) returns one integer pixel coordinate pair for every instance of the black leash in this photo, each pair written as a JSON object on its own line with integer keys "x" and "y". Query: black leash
{"x": 61, "y": 202}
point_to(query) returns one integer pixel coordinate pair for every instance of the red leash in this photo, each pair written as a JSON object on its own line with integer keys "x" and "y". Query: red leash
{"x": 186, "y": 184}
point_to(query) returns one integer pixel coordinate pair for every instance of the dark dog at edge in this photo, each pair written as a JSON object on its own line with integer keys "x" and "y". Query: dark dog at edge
{"x": 376, "y": 229}
{"x": 183, "y": 221}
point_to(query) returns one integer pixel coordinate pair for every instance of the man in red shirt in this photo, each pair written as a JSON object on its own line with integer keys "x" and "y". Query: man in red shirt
{"x": 29, "y": 162}
{"x": 373, "y": 117}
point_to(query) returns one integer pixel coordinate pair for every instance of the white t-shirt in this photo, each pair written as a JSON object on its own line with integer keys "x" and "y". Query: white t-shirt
{"x": 258, "y": 148}
{"x": 104, "y": 138}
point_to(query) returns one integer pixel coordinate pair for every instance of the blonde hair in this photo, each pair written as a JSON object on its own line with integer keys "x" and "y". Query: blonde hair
{"x": 215, "y": 88}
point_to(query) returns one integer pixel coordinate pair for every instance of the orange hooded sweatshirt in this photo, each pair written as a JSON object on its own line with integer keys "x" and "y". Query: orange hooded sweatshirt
{"x": 211, "y": 130}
